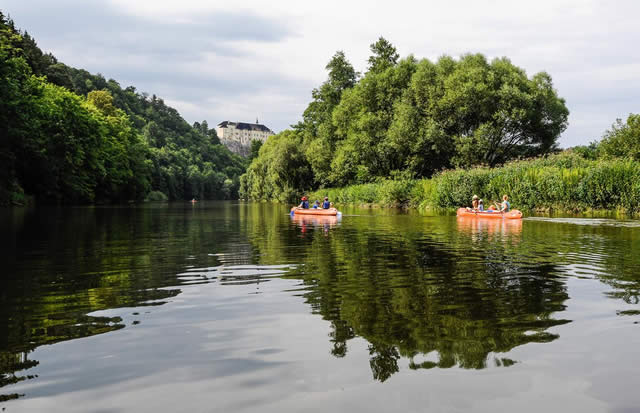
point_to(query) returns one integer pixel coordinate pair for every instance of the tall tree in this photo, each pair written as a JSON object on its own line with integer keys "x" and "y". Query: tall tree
{"x": 623, "y": 139}
{"x": 319, "y": 133}
{"x": 384, "y": 56}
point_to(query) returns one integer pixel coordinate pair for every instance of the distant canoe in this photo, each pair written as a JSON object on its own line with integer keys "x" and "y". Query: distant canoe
{"x": 513, "y": 214}
{"x": 314, "y": 211}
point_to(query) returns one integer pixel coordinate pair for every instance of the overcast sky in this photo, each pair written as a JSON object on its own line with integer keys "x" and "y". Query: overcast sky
{"x": 238, "y": 60}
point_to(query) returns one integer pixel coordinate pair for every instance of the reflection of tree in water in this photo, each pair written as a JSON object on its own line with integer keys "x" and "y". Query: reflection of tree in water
{"x": 83, "y": 260}
{"x": 410, "y": 297}
{"x": 10, "y": 363}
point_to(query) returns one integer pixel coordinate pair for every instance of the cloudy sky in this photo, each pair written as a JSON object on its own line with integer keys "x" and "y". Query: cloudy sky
{"x": 238, "y": 60}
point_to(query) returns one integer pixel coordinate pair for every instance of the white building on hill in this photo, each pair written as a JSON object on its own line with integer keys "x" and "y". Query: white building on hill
{"x": 237, "y": 136}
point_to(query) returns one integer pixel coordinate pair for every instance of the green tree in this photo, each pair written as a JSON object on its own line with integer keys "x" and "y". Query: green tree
{"x": 384, "y": 56}
{"x": 319, "y": 133}
{"x": 255, "y": 149}
{"x": 407, "y": 118}
{"x": 362, "y": 119}
{"x": 98, "y": 147}
{"x": 623, "y": 139}
{"x": 280, "y": 171}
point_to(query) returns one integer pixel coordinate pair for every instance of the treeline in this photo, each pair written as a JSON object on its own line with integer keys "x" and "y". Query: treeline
{"x": 408, "y": 119}
{"x": 69, "y": 136}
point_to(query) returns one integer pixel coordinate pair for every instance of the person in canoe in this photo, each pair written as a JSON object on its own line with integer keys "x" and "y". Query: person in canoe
{"x": 316, "y": 204}
{"x": 326, "y": 204}
{"x": 474, "y": 204}
{"x": 304, "y": 204}
{"x": 480, "y": 205}
{"x": 502, "y": 207}
{"x": 505, "y": 206}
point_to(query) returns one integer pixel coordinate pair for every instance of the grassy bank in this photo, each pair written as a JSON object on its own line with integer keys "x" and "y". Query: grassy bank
{"x": 565, "y": 182}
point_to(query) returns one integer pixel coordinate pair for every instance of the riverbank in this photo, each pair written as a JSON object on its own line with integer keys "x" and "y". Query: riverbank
{"x": 563, "y": 183}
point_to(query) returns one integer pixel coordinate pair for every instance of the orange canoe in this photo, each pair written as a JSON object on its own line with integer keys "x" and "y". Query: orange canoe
{"x": 513, "y": 214}
{"x": 315, "y": 220}
{"x": 314, "y": 211}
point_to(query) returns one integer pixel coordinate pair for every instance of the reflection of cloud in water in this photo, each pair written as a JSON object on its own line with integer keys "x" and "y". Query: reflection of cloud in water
{"x": 596, "y": 222}
{"x": 234, "y": 274}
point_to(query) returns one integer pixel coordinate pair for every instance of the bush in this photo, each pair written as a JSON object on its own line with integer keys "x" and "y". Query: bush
{"x": 565, "y": 181}
{"x": 156, "y": 196}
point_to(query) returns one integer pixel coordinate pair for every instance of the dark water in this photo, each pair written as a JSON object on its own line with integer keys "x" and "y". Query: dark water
{"x": 228, "y": 307}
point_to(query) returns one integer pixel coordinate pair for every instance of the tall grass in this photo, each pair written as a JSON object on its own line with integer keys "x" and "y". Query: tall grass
{"x": 565, "y": 182}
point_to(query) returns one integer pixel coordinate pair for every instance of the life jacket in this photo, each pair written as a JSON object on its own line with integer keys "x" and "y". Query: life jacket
{"x": 305, "y": 204}
{"x": 508, "y": 206}
{"x": 326, "y": 205}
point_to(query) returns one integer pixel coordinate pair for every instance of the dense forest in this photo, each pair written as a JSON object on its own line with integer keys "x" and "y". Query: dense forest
{"x": 409, "y": 118}
{"x": 69, "y": 136}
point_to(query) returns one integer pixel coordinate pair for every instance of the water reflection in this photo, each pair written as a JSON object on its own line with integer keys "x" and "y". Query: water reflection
{"x": 490, "y": 227}
{"x": 410, "y": 294}
{"x": 307, "y": 222}
{"x": 425, "y": 293}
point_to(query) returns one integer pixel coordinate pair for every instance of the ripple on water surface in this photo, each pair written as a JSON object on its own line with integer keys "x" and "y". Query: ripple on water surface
{"x": 235, "y": 307}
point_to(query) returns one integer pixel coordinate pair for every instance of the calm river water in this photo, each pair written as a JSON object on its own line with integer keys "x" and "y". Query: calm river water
{"x": 232, "y": 307}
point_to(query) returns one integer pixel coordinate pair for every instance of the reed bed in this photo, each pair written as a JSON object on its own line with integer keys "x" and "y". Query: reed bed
{"x": 562, "y": 182}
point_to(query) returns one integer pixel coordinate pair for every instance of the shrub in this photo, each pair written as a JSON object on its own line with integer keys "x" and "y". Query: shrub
{"x": 156, "y": 196}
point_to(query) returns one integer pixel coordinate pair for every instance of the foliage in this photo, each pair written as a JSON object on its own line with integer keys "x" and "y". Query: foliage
{"x": 115, "y": 145}
{"x": 565, "y": 181}
{"x": 623, "y": 139}
{"x": 278, "y": 171}
{"x": 60, "y": 146}
{"x": 156, "y": 196}
{"x": 384, "y": 56}
{"x": 255, "y": 149}
{"x": 416, "y": 118}
{"x": 317, "y": 128}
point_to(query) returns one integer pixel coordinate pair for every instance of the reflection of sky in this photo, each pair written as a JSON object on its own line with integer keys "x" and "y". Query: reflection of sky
{"x": 241, "y": 338}
{"x": 224, "y": 349}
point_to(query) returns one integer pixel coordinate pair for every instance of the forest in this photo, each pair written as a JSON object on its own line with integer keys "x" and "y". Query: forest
{"x": 69, "y": 136}
{"x": 417, "y": 132}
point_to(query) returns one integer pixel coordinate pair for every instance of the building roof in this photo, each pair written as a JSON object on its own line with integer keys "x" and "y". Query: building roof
{"x": 244, "y": 126}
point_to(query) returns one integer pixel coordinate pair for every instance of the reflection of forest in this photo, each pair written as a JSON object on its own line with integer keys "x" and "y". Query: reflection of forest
{"x": 60, "y": 264}
{"x": 438, "y": 292}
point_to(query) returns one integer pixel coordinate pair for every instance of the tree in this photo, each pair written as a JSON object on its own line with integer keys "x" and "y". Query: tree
{"x": 319, "y": 133}
{"x": 362, "y": 120}
{"x": 103, "y": 101}
{"x": 255, "y": 149}
{"x": 623, "y": 139}
{"x": 280, "y": 171}
{"x": 406, "y": 119}
{"x": 341, "y": 76}
{"x": 59, "y": 146}
{"x": 384, "y": 56}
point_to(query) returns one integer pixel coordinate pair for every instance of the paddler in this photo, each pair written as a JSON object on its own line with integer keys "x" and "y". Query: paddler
{"x": 505, "y": 206}
{"x": 474, "y": 203}
{"x": 326, "y": 204}
{"x": 304, "y": 204}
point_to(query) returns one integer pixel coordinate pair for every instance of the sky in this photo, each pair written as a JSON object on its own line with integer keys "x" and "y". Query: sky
{"x": 241, "y": 60}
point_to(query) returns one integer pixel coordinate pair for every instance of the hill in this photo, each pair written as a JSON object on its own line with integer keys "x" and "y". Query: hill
{"x": 179, "y": 160}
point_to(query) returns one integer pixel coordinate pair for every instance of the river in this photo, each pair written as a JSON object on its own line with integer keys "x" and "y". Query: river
{"x": 237, "y": 307}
